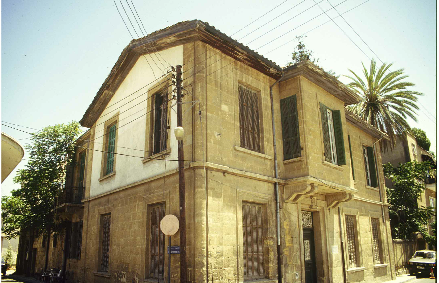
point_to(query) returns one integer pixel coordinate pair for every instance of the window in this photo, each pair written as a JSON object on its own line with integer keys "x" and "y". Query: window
{"x": 351, "y": 227}
{"x": 104, "y": 247}
{"x": 109, "y": 148}
{"x": 253, "y": 217}
{"x": 352, "y": 158}
{"x": 55, "y": 240}
{"x": 332, "y": 135}
{"x": 75, "y": 240}
{"x": 414, "y": 151}
{"x": 81, "y": 177}
{"x": 249, "y": 119}
{"x": 159, "y": 122}
{"x": 290, "y": 127}
{"x": 376, "y": 242}
{"x": 369, "y": 164}
{"x": 157, "y": 241}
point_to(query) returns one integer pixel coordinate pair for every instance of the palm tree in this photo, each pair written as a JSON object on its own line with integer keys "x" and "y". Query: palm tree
{"x": 386, "y": 101}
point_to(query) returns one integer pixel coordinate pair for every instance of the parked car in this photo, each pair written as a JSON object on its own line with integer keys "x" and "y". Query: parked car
{"x": 423, "y": 261}
{"x": 4, "y": 267}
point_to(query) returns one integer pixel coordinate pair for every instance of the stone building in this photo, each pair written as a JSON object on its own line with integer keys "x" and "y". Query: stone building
{"x": 406, "y": 150}
{"x": 251, "y": 129}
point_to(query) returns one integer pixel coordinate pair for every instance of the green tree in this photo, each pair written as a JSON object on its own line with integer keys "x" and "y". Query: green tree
{"x": 31, "y": 208}
{"x": 421, "y": 138}
{"x": 406, "y": 216}
{"x": 386, "y": 100}
{"x": 301, "y": 53}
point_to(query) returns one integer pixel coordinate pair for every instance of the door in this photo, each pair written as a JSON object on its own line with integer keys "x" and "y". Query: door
{"x": 308, "y": 248}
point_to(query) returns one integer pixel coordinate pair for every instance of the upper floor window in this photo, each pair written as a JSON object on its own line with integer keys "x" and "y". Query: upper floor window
{"x": 369, "y": 165}
{"x": 250, "y": 119}
{"x": 290, "y": 127}
{"x": 159, "y": 122}
{"x": 81, "y": 177}
{"x": 109, "y": 148}
{"x": 332, "y": 135}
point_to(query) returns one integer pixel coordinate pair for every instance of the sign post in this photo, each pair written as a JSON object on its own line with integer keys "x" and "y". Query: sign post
{"x": 169, "y": 226}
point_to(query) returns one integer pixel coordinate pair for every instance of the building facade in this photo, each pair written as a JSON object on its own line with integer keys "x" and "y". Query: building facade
{"x": 280, "y": 178}
{"x": 406, "y": 150}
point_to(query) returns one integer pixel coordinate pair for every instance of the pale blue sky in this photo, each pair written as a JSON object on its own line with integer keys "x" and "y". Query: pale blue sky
{"x": 55, "y": 55}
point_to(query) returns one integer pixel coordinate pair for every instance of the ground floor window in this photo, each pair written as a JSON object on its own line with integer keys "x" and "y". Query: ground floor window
{"x": 351, "y": 227}
{"x": 253, "y": 217}
{"x": 156, "y": 241}
{"x": 376, "y": 241}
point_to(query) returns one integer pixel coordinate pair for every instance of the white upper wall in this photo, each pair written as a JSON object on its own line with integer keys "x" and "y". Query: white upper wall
{"x": 131, "y": 130}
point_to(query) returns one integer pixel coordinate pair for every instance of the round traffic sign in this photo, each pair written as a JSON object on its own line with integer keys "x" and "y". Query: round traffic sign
{"x": 169, "y": 225}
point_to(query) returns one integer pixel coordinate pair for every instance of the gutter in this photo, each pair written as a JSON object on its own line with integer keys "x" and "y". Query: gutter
{"x": 276, "y": 187}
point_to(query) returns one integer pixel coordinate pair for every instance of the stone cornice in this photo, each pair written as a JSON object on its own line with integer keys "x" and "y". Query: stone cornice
{"x": 323, "y": 79}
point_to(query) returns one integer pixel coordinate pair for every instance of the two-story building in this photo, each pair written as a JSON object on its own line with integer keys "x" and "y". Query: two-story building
{"x": 280, "y": 178}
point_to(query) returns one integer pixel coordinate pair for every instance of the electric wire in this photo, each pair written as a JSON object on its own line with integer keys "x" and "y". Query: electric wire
{"x": 342, "y": 30}
{"x": 354, "y": 31}
{"x": 259, "y": 17}
{"x": 316, "y": 27}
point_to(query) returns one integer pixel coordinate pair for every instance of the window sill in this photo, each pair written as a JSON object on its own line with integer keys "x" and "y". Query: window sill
{"x": 258, "y": 154}
{"x": 102, "y": 274}
{"x": 355, "y": 269}
{"x": 261, "y": 280}
{"x": 333, "y": 166}
{"x": 152, "y": 280}
{"x": 107, "y": 176}
{"x": 372, "y": 188}
{"x": 296, "y": 159}
{"x": 380, "y": 265}
{"x": 157, "y": 155}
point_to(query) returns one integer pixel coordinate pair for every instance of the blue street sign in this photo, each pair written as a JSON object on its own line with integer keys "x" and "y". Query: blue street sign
{"x": 174, "y": 249}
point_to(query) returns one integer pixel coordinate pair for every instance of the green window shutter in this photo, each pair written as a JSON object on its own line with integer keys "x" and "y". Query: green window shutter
{"x": 352, "y": 159}
{"x": 110, "y": 149}
{"x": 339, "y": 141}
{"x": 290, "y": 127}
{"x": 373, "y": 175}
{"x": 326, "y": 142}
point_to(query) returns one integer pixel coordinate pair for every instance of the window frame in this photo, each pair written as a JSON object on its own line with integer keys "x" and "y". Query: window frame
{"x": 261, "y": 254}
{"x": 149, "y": 242}
{"x": 377, "y": 246}
{"x": 334, "y": 151}
{"x": 113, "y": 121}
{"x": 352, "y": 242}
{"x": 245, "y": 122}
{"x": 163, "y": 85}
{"x": 104, "y": 252}
{"x": 370, "y": 166}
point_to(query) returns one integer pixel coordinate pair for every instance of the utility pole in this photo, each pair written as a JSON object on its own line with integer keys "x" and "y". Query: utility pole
{"x": 181, "y": 185}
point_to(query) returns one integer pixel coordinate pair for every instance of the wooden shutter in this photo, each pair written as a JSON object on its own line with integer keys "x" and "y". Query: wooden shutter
{"x": 253, "y": 237}
{"x": 290, "y": 127}
{"x": 371, "y": 160}
{"x": 326, "y": 141}
{"x": 352, "y": 159}
{"x": 105, "y": 242}
{"x": 156, "y": 241}
{"x": 110, "y": 148}
{"x": 339, "y": 141}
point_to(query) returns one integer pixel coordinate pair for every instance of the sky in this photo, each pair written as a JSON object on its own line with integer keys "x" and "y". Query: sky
{"x": 55, "y": 55}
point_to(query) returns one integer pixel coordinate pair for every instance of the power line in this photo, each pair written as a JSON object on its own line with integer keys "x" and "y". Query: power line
{"x": 316, "y": 27}
{"x": 354, "y": 31}
{"x": 343, "y": 30}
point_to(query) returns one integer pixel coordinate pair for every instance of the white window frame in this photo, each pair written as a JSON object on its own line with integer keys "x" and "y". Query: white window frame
{"x": 332, "y": 137}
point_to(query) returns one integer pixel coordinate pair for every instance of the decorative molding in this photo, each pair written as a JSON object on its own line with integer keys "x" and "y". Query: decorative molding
{"x": 333, "y": 200}
{"x": 258, "y": 154}
{"x": 296, "y": 193}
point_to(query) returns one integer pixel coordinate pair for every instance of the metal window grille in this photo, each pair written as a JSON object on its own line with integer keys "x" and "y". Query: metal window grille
{"x": 250, "y": 132}
{"x": 111, "y": 144}
{"x": 253, "y": 249}
{"x": 160, "y": 123}
{"x": 105, "y": 243}
{"x": 157, "y": 242}
{"x": 306, "y": 219}
{"x": 376, "y": 243}
{"x": 351, "y": 240}
{"x": 75, "y": 240}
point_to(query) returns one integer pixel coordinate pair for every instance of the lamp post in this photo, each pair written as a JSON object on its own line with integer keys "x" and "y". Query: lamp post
{"x": 179, "y": 132}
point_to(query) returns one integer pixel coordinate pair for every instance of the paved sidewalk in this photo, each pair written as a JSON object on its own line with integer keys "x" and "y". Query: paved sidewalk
{"x": 19, "y": 279}
{"x": 402, "y": 278}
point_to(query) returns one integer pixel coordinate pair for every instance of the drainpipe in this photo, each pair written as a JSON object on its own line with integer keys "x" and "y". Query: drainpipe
{"x": 276, "y": 187}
